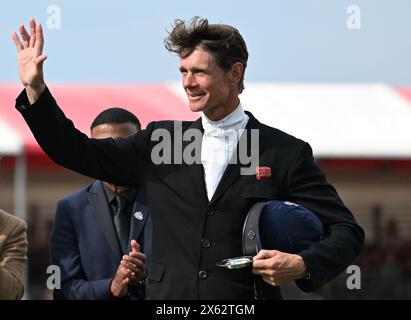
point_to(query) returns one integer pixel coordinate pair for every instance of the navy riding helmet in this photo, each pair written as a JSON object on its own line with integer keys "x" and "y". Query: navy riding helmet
{"x": 280, "y": 225}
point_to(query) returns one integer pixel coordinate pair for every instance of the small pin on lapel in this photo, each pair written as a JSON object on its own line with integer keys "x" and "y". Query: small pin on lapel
{"x": 138, "y": 215}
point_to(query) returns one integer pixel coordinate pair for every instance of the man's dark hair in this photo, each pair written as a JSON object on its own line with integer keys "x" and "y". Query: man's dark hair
{"x": 116, "y": 115}
{"x": 224, "y": 42}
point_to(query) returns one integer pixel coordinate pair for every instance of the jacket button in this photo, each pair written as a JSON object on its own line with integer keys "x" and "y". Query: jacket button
{"x": 205, "y": 243}
{"x": 210, "y": 212}
{"x": 202, "y": 274}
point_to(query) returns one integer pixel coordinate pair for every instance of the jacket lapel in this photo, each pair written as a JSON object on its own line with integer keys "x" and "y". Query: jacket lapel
{"x": 196, "y": 170}
{"x": 101, "y": 210}
{"x": 139, "y": 218}
{"x": 233, "y": 170}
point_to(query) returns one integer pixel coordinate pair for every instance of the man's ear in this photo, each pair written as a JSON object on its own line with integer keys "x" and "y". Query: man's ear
{"x": 237, "y": 70}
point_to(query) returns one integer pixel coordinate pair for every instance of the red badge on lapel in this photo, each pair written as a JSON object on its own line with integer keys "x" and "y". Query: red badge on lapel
{"x": 263, "y": 173}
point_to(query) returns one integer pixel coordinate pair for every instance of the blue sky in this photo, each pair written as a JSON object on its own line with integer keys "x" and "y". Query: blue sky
{"x": 288, "y": 40}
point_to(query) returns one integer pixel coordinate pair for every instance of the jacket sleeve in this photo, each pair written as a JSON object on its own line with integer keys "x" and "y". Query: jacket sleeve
{"x": 344, "y": 239}
{"x": 12, "y": 263}
{"x": 119, "y": 161}
{"x": 64, "y": 254}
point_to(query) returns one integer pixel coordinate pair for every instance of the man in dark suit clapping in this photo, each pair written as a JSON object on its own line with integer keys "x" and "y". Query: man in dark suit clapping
{"x": 101, "y": 232}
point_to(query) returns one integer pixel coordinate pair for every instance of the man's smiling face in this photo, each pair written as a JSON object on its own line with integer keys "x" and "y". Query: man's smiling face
{"x": 206, "y": 84}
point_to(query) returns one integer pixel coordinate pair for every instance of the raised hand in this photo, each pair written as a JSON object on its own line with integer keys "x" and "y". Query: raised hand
{"x": 31, "y": 59}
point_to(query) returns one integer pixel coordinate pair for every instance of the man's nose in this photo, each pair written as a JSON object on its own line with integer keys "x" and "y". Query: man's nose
{"x": 189, "y": 80}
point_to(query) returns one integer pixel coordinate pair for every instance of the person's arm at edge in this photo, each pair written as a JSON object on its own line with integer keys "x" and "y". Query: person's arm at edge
{"x": 13, "y": 263}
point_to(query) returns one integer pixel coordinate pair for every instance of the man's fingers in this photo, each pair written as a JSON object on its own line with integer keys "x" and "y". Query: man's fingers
{"x": 265, "y": 254}
{"x": 124, "y": 271}
{"x": 264, "y": 272}
{"x": 29, "y": 40}
{"x": 263, "y": 262}
{"x": 40, "y": 59}
{"x": 132, "y": 277}
{"x": 23, "y": 32}
{"x": 32, "y": 40}
{"x": 32, "y": 24}
{"x": 17, "y": 41}
{"x": 258, "y": 272}
{"x": 135, "y": 261}
{"x": 130, "y": 264}
{"x": 259, "y": 264}
{"x": 132, "y": 268}
{"x": 135, "y": 246}
{"x": 24, "y": 35}
{"x": 132, "y": 272}
{"x": 38, "y": 46}
{"x": 124, "y": 282}
{"x": 133, "y": 265}
{"x": 138, "y": 255}
{"x": 262, "y": 267}
{"x": 271, "y": 281}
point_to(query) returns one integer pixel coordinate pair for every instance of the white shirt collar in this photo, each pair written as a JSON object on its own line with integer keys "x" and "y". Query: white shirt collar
{"x": 232, "y": 121}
